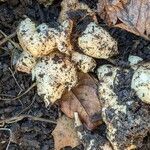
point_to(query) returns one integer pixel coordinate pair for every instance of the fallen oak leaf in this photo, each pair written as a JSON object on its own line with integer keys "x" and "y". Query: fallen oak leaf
{"x": 131, "y": 15}
{"x": 65, "y": 133}
{"x": 84, "y": 100}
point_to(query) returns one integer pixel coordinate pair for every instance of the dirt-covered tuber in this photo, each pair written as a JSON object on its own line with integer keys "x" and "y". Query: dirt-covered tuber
{"x": 71, "y": 5}
{"x": 54, "y": 74}
{"x": 84, "y": 63}
{"x": 97, "y": 42}
{"x": 122, "y": 93}
{"x": 26, "y": 62}
{"x": 141, "y": 82}
{"x": 42, "y": 40}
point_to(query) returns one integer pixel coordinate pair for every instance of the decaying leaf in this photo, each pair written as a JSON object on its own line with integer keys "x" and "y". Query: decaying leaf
{"x": 84, "y": 100}
{"x": 65, "y": 133}
{"x": 71, "y": 5}
{"x": 46, "y": 2}
{"x": 131, "y": 15}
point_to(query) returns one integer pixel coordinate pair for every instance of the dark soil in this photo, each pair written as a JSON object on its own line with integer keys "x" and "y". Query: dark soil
{"x": 28, "y": 134}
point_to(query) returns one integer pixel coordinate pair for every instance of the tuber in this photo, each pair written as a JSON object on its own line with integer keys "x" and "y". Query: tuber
{"x": 84, "y": 63}
{"x": 96, "y": 42}
{"x": 54, "y": 73}
{"x": 26, "y": 62}
{"x": 42, "y": 40}
{"x": 124, "y": 94}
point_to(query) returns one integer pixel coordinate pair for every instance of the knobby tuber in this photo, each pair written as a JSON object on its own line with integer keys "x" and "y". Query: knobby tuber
{"x": 42, "y": 40}
{"x": 124, "y": 94}
{"x": 141, "y": 82}
{"x": 96, "y": 42}
{"x": 54, "y": 73}
{"x": 26, "y": 62}
{"x": 50, "y": 56}
{"x": 83, "y": 62}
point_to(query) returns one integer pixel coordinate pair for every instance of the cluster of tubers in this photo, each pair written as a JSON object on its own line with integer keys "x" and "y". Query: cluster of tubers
{"x": 54, "y": 63}
{"x": 52, "y": 60}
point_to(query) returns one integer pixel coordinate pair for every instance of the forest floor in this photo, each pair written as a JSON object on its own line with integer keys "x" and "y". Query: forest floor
{"x": 30, "y": 123}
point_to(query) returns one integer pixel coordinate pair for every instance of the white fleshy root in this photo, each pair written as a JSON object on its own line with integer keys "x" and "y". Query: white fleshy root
{"x": 54, "y": 74}
{"x": 42, "y": 40}
{"x": 84, "y": 63}
{"x": 96, "y": 42}
{"x": 26, "y": 62}
{"x": 141, "y": 82}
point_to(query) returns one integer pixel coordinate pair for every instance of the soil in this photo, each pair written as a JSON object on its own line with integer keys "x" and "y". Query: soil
{"x": 32, "y": 133}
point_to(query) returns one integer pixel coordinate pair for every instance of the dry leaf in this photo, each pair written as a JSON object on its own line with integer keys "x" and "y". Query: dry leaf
{"x": 65, "y": 134}
{"x": 84, "y": 100}
{"x": 131, "y": 15}
{"x": 71, "y": 5}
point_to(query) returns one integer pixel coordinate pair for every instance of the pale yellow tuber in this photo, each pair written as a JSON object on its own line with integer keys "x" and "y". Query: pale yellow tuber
{"x": 26, "y": 62}
{"x": 35, "y": 39}
{"x": 42, "y": 40}
{"x": 96, "y": 42}
{"x": 54, "y": 74}
{"x": 84, "y": 63}
{"x": 122, "y": 93}
{"x": 141, "y": 82}
{"x": 71, "y": 5}
{"x": 63, "y": 39}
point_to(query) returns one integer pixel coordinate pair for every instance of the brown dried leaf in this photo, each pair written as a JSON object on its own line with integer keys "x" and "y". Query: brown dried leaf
{"x": 84, "y": 100}
{"x": 65, "y": 134}
{"x": 71, "y": 5}
{"x": 131, "y": 15}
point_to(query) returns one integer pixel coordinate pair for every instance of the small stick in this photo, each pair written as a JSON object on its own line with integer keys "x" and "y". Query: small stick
{"x": 6, "y": 95}
{"x": 18, "y": 118}
{"x": 19, "y": 96}
{"x": 7, "y": 38}
{"x": 15, "y": 79}
{"x": 16, "y": 45}
{"x": 27, "y": 106}
{"x": 10, "y": 137}
{"x": 77, "y": 120}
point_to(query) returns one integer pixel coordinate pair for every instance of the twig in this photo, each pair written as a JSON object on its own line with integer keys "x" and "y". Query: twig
{"x": 15, "y": 79}
{"x": 10, "y": 137}
{"x": 19, "y": 96}
{"x": 6, "y": 95}
{"x": 16, "y": 45}
{"x": 18, "y": 118}
{"x": 5, "y": 49}
{"x": 28, "y": 106}
{"x": 7, "y": 38}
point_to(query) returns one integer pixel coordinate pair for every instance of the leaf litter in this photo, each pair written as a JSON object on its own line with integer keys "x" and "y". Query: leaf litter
{"x": 131, "y": 15}
{"x": 84, "y": 100}
{"x": 119, "y": 20}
